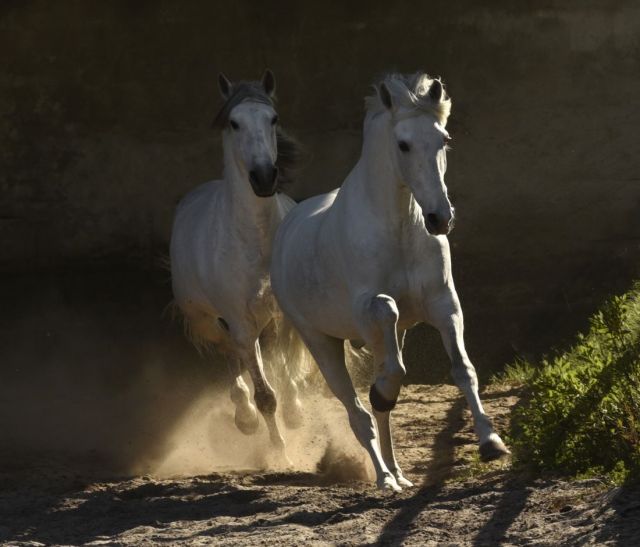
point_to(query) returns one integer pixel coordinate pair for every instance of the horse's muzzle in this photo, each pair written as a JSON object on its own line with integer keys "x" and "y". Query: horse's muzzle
{"x": 439, "y": 225}
{"x": 264, "y": 180}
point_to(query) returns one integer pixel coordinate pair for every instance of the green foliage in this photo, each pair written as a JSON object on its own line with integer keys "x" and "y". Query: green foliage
{"x": 516, "y": 374}
{"x": 582, "y": 410}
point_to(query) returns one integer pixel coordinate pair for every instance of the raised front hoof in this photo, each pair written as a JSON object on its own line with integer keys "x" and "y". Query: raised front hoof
{"x": 292, "y": 415}
{"x": 247, "y": 422}
{"x": 493, "y": 449}
{"x": 389, "y": 484}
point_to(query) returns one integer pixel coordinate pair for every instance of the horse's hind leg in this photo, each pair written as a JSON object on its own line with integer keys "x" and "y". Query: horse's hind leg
{"x": 246, "y": 416}
{"x": 281, "y": 369}
{"x": 329, "y": 354}
{"x": 292, "y": 413}
{"x": 445, "y": 314}
{"x": 379, "y": 318}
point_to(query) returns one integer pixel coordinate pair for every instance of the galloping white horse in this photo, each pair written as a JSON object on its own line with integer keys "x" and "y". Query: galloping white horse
{"x": 221, "y": 248}
{"x": 371, "y": 259}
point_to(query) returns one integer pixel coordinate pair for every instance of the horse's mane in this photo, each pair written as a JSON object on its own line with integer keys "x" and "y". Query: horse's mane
{"x": 289, "y": 157}
{"x": 410, "y": 91}
{"x": 289, "y": 148}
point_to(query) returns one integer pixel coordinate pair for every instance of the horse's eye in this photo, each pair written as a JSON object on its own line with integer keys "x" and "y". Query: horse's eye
{"x": 274, "y": 120}
{"x": 234, "y": 125}
{"x": 404, "y": 146}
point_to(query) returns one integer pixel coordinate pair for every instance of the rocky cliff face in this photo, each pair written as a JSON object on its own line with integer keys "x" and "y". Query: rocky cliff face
{"x": 105, "y": 112}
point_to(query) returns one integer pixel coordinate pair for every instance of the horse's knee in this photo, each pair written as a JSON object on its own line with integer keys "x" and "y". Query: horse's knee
{"x": 383, "y": 310}
{"x": 395, "y": 371}
{"x": 266, "y": 400}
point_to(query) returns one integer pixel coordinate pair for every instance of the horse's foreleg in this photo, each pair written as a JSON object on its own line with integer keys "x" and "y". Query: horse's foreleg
{"x": 379, "y": 319}
{"x": 329, "y": 354}
{"x": 264, "y": 395}
{"x": 445, "y": 314}
{"x": 378, "y": 323}
{"x": 246, "y": 417}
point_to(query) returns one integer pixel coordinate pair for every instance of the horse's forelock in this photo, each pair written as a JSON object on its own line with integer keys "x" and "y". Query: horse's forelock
{"x": 241, "y": 91}
{"x": 410, "y": 91}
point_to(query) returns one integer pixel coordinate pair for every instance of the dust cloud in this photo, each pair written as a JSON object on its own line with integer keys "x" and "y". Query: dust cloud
{"x": 206, "y": 440}
{"x": 109, "y": 387}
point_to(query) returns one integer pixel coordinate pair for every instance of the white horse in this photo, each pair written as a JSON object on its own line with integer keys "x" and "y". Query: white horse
{"x": 221, "y": 248}
{"x": 370, "y": 260}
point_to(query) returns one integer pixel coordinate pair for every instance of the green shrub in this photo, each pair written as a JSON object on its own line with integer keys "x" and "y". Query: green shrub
{"x": 515, "y": 374}
{"x": 581, "y": 413}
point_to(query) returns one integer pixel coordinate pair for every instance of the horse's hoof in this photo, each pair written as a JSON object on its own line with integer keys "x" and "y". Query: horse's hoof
{"x": 247, "y": 422}
{"x": 389, "y": 484}
{"x": 493, "y": 449}
{"x": 292, "y": 415}
{"x": 404, "y": 483}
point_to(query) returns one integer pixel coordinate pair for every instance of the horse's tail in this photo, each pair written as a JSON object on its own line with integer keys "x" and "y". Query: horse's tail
{"x": 359, "y": 361}
{"x": 285, "y": 355}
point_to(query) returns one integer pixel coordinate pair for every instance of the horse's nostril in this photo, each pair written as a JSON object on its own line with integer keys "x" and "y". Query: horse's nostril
{"x": 432, "y": 220}
{"x": 253, "y": 177}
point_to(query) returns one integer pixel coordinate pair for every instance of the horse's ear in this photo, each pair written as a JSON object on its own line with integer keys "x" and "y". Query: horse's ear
{"x": 385, "y": 96}
{"x": 269, "y": 82}
{"x": 224, "y": 85}
{"x": 436, "y": 91}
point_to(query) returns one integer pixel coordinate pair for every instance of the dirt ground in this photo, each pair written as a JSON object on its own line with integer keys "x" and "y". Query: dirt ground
{"x": 212, "y": 487}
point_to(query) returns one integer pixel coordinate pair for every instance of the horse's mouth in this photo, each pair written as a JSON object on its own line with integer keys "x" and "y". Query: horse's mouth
{"x": 263, "y": 193}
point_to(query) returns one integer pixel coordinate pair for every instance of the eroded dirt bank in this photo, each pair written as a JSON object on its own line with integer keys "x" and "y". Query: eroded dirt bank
{"x": 456, "y": 500}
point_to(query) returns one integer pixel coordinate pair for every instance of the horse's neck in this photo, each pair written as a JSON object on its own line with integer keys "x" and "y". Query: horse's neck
{"x": 374, "y": 180}
{"x": 253, "y": 218}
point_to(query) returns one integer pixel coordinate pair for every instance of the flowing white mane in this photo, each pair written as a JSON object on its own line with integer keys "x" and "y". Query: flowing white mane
{"x": 410, "y": 91}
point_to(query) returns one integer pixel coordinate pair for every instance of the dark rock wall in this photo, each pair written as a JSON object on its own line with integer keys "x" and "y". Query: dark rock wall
{"x": 105, "y": 112}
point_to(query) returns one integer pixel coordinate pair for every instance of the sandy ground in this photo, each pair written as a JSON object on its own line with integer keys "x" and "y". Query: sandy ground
{"x": 214, "y": 487}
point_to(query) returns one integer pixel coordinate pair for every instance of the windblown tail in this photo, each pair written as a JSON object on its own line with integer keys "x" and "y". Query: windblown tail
{"x": 359, "y": 363}
{"x": 285, "y": 355}
{"x": 287, "y": 359}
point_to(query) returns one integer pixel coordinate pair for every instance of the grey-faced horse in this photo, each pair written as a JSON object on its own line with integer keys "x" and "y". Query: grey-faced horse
{"x": 220, "y": 253}
{"x": 370, "y": 260}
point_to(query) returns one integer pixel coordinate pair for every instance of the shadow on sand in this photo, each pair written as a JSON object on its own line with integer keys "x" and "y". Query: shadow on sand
{"x": 513, "y": 496}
